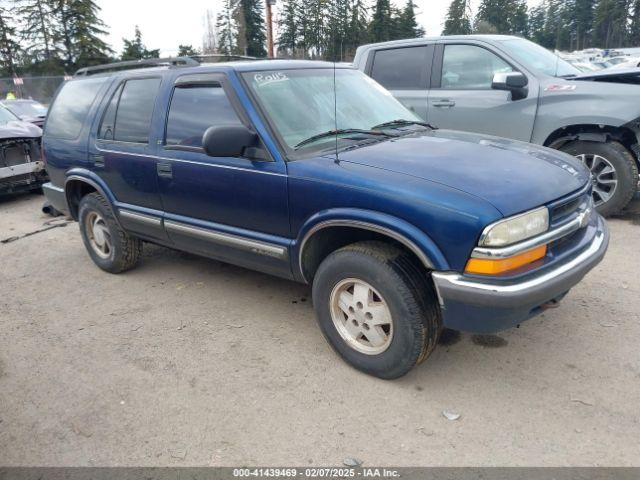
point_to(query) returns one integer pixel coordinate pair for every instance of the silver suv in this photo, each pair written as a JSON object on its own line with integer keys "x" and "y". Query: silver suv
{"x": 511, "y": 87}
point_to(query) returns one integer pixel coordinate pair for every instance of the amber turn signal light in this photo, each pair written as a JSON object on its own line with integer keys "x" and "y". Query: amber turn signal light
{"x": 491, "y": 266}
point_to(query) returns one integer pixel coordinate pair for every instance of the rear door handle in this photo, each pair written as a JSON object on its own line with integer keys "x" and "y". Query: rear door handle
{"x": 444, "y": 103}
{"x": 164, "y": 170}
{"x": 98, "y": 161}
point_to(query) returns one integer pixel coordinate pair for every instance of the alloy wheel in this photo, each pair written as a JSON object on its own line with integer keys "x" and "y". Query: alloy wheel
{"x": 603, "y": 177}
{"x": 361, "y": 316}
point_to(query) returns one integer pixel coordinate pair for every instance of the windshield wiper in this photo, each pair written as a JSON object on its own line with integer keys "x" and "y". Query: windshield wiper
{"x": 401, "y": 121}
{"x": 340, "y": 131}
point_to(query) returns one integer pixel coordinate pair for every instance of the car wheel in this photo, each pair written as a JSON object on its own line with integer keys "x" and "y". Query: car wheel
{"x": 110, "y": 247}
{"x": 376, "y": 308}
{"x": 614, "y": 173}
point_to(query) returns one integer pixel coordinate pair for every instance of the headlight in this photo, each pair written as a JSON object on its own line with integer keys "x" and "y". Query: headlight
{"x": 515, "y": 229}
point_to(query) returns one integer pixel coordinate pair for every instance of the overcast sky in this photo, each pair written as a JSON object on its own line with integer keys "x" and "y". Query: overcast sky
{"x": 166, "y": 27}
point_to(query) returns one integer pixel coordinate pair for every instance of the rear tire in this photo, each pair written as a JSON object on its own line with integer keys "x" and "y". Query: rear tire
{"x": 110, "y": 247}
{"x": 376, "y": 308}
{"x": 612, "y": 190}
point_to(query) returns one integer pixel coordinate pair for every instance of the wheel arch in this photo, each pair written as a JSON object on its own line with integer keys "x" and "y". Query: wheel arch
{"x": 81, "y": 182}
{"x": 327, "y": 232}
{"x": 594, "y": 133}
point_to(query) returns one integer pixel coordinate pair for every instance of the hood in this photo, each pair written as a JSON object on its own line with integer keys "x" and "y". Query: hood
{"x": 19, "y": 130}
{"x": 512, "y": 176}
{"x": 626, "y": 75}
{"x": 39, "y": 121}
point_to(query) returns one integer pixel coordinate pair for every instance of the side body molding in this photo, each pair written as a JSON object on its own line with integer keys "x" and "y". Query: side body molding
{"x": 403, "y": 232}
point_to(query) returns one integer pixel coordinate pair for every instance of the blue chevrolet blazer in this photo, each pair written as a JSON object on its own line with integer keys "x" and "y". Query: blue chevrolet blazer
{"x": 314, "y": 172}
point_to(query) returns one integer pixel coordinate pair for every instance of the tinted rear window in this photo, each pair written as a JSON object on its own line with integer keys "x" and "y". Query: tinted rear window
{"x": 195, "y": 109}
{"x": 401, "y": 68}
{"x": 71, "y": 107}
{"x": 133, "y": 119}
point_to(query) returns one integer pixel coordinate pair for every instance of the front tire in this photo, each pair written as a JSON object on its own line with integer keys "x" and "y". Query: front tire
{"x": 110, "y": 247}
{"x": 376, "y": 308}
{"x": 614, "y": 173}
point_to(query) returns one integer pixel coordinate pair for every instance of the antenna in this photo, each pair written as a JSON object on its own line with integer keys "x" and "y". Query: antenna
{"x": 335, "y": 108}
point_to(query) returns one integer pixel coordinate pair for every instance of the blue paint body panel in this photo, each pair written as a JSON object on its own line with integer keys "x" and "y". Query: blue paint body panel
{"x": 437, "y": 190}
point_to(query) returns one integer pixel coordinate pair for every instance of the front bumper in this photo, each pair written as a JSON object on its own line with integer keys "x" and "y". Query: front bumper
{"x": 22, "y": 177}
{"x": 479, "y": 306}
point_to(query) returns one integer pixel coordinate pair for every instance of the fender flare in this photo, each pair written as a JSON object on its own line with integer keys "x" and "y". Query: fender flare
{"x": 585, "y": 136}
{"x": 413, "y": 238}
{"x": 90, "y": 178}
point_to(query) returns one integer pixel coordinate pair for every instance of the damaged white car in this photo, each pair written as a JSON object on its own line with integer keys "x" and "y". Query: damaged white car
{"x": 21, "y": 163}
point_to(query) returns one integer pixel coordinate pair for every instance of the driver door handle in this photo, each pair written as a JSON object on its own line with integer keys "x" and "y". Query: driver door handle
{"x": 444, "y": 103}
{"x": 164, "y": 170}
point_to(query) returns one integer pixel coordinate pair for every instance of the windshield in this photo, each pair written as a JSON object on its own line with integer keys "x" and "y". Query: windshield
{"x": 27, "y": 109}
{"x": 303, "y": 103}
{"x": 538, "y": 58}
{"x": 6, "y": 116}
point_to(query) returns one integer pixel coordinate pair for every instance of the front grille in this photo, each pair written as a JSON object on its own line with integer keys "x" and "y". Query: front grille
{"x": 567, "y": 208}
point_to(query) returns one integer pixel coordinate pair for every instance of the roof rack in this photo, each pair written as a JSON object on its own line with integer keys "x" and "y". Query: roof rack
{"x": 133, "y": 64}
{"x": 221, "y": 57}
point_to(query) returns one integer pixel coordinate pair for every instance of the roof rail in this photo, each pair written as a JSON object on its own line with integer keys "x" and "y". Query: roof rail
{"x": 221, "y": 57}
{"x": 133, "y": 64}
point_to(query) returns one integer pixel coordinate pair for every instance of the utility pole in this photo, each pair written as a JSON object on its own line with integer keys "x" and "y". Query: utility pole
{"x": 270, "y": 29}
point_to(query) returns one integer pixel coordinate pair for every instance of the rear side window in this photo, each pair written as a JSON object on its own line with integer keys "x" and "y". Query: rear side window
{"x": 401, "y": 68}
{"x": 108, "y": 126}
{"x": 128, "y": 116}
{"x": 71, "y": 107}
{"x": 195, "y": 108}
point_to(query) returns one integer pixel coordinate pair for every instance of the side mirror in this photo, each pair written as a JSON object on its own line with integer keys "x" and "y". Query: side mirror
{"x": 228, "y": 140}
{"x": 514, "y": 82}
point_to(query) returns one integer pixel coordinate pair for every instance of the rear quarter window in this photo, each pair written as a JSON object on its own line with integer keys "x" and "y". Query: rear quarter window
{"x": 402, "y": 68}
{"x": 71, "y": 107}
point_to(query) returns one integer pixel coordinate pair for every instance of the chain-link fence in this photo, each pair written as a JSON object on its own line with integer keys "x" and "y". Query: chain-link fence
{"x": 41, "y": 89}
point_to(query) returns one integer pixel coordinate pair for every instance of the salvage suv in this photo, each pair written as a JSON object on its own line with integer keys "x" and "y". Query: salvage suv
{"x": 315, "y": 173}
{"x": 511, "y": 87}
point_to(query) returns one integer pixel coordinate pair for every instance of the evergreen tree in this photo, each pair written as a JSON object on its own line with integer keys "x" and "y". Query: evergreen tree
{"x": 505, "y": 16}
{"x": 381, "y": 26}
{"x": 81, "y": 30}
{"x": 337, "y": 26}
{"x": 227, "y": 27}
{"x": 493, "y": 13}
{"x": 634, "y": 26}
{"x": 135, "y": 50}
{"x": 583, "y": 21}
{"x": 317, "y": 27}
{"x": 305, "y": 27}
{"x": 39, "y": 29}
{"x": 288, "y": 28}
{"x": 537, "y": 23}
{"x": 407, "y": 25}
{"x": 518, "y": 18}
{"x": 9, "y": 47}
{"x": 250, "y": 16}
{"x": 554, "y": 27}
{"x": 187, "y": 51}
{"x": 610, "y": 23}
{"x": 458, "y": 19}
{"x": 357, "y": 33}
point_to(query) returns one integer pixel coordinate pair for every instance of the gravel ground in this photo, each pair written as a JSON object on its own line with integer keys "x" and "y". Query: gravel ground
{"x": 188, "y": 361}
